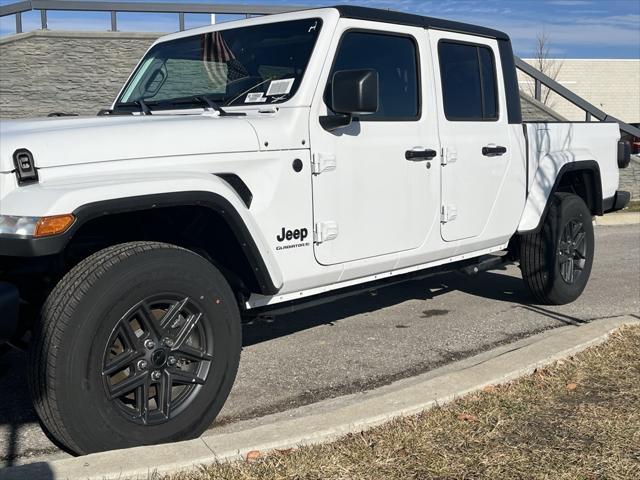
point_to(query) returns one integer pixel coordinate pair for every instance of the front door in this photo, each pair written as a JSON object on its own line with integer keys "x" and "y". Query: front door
{"x": 474, "y": 132}
{"x": 368, "y": 198}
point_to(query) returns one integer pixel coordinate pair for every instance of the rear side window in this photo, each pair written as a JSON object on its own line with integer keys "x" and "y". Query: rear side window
{"x": 394, "y": 57}
{"x": 468, "y": 76}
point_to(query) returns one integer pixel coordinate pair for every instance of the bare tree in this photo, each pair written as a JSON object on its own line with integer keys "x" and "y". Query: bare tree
{"x": 549, "y": 66}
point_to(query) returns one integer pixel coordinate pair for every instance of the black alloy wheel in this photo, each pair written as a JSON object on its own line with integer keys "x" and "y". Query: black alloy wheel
{"x": 138, "y": 344}
{"x": 572, "y": 251}
{"x": 159, "y": 354}
{"x": 556, "y": 259}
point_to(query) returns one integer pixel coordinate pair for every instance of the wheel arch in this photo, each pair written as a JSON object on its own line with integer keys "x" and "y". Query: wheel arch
{"x": 107, "y": 220}
{"x": 264, "y": 280}
{"x": 581, "y": 178}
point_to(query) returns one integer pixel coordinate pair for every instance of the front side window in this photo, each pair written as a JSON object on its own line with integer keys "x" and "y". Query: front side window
{"x": 394, "y": 57}
{"x": 240, "y": 66}
{"x": 468, "y": 76}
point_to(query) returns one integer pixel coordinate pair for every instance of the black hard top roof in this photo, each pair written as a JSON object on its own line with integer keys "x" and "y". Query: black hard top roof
{"x": 400, "y": 18}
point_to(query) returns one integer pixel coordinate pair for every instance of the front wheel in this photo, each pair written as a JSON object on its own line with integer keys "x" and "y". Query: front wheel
{"x": 556, "y": 261}
{"x": 138, "y": 344}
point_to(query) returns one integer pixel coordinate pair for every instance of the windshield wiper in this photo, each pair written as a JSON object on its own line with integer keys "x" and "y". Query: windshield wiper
{"x": 195, "y": 100}
{"x": 183, "y": 102}
{"x": 214, "y": 106}
{"x": 144, "y": 108}
{"x": 117, "y": 110}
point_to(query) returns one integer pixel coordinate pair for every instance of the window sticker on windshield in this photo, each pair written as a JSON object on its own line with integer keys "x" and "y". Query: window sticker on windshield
{"x": 280, "y": 87}
{"x": 256, "y": 97}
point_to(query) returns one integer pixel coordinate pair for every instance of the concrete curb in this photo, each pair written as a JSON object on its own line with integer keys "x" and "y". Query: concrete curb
{"x": 333, "y": 418}
{"x": 619, "y": 218}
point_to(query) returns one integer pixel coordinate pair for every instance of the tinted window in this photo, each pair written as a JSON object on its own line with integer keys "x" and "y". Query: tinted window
{"x": 488, "y": 83}
{"x": 394, "y": 58}
{"x": 247, "y": 65}
{"x": 468, "y": 81}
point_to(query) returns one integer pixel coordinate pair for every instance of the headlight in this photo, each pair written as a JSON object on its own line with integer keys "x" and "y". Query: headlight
{"x": 25, "y": 226}
{"x": 35, "y": 226}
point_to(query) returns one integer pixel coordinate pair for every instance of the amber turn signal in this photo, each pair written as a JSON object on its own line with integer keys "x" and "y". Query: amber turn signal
{"x": 54, "y": 225}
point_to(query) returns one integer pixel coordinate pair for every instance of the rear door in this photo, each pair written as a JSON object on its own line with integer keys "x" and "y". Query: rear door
{"x": 368, "y": 198}
{"x": 474, "y": 131}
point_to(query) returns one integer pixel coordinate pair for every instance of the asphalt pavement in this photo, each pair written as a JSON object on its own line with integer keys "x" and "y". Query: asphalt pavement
{"x": 371, "y": 339}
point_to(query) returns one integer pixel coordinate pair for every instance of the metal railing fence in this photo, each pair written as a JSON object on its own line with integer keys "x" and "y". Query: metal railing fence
{"x": 179, "y": 8}
{"x": 590, "y": 110}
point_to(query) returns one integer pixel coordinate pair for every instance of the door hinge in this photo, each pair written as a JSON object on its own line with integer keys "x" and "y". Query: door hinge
{"x": 448, "y": 213}
{"x": 323, "y": 162}
{"x": 449, "y": 155}
{"x": 325, "y": 231}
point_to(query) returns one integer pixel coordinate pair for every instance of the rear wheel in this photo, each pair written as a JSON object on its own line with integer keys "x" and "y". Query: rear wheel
{"x": 138, "y": 344}
{"x": 556, "y": 261}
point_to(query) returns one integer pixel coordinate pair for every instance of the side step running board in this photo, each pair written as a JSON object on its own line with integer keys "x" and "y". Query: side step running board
{"x": 487, "y": 262}
{"x": 470, "y": 267}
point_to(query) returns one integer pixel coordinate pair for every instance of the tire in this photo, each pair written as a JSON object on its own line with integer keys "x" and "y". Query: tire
{"x": 554, "y": 270}
{"x": 125, "y": 305}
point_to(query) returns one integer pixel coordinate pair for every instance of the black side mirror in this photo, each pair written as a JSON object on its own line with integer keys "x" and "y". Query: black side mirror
{"x": 353, "y": 92}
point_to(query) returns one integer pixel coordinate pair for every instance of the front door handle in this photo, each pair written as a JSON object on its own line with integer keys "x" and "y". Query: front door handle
{"x": 493, "y": 151}
{"x": 418, "y": 155}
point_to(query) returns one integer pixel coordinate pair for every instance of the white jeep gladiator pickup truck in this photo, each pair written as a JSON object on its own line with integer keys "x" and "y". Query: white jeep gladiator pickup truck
{"x": 251, "y": 165}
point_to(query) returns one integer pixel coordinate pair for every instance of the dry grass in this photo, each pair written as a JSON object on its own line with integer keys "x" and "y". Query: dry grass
{"x": 577, "y": 420}
{"x": 634, "y": 206}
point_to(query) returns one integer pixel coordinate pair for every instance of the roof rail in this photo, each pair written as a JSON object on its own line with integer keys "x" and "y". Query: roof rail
{"x": 589, "y": 109}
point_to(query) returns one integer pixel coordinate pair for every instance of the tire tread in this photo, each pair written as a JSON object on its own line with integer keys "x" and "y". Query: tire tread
{"x": 534, "y": 254}
{"x": 55, "y": 319}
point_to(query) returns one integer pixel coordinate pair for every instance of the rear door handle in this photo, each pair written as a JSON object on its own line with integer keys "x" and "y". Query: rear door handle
{"x": 493, "y": 150}
{"x": 420, "y": 154}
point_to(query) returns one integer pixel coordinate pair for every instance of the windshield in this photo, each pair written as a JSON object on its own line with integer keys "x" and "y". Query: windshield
{"x": 241, "y": 66}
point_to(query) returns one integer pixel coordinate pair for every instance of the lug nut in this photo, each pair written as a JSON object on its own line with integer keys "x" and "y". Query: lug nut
{"x": 168, "y": 342}
{"x": 142, "y": 365}
{"x": 149, "y": 344}
{"x": 155, "y": 375}
{"x": 171, "y": 361}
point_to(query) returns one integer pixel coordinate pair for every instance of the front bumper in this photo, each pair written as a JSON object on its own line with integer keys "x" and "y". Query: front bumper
{"x": 9, "y": 302}
{"x": 14, "y": 246}
{"x": 617, "y": 202}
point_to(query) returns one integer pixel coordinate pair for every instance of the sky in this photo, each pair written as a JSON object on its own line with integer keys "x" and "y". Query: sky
{"x": 575, "y": 28}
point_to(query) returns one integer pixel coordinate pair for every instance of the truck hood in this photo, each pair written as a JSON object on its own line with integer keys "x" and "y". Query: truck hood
{"x": 78, "y": 140}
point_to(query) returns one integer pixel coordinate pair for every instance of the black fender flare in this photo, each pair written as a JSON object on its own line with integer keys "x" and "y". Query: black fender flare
{"x": 37, "y": 247}
{"x": 594, "y": 191}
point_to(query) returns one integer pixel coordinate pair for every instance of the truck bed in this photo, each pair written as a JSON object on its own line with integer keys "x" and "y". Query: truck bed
{"x": 552, "y": 146}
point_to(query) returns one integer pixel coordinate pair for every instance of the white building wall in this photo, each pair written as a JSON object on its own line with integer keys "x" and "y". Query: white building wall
{"x": 611, "y": 85}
